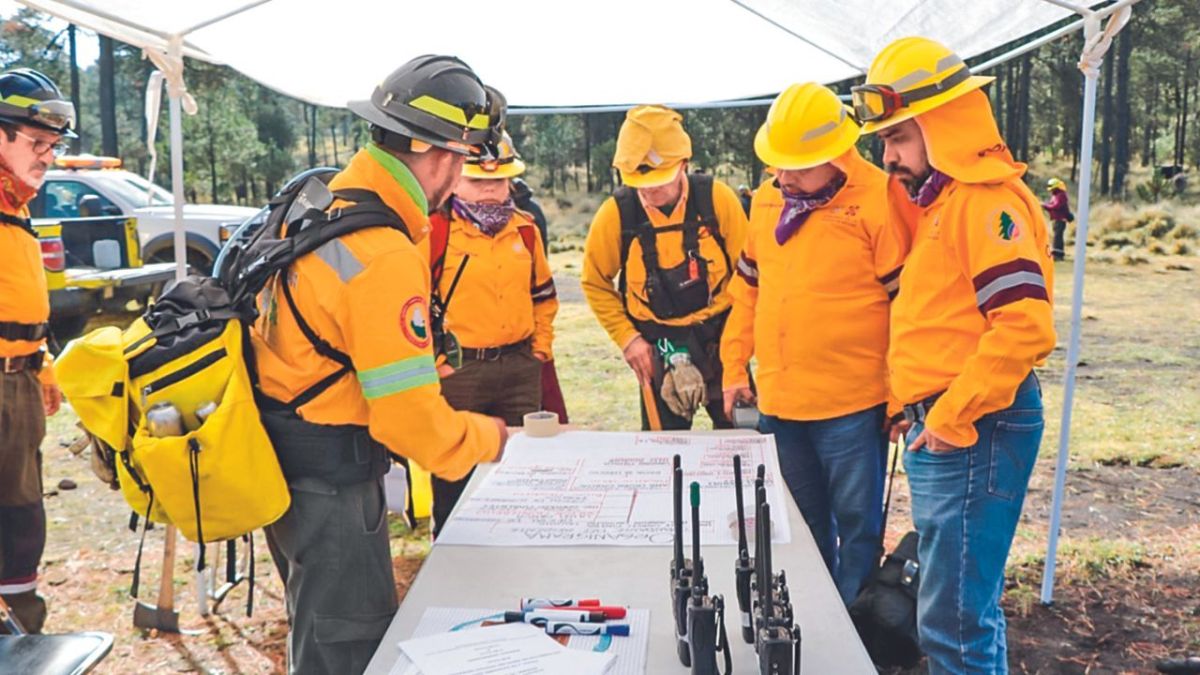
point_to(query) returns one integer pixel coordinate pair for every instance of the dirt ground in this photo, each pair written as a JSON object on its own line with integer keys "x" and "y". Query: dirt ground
{"x": 1127, "y": 588}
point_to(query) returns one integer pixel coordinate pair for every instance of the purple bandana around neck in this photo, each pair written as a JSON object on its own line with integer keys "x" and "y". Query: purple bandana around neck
{"x": 931, "y": 188}
{"x": 798, "y": 206}
{"x": 489, "y": 218}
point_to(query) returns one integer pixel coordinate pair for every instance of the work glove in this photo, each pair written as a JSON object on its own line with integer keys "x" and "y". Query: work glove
{"x": 683, "y": 386}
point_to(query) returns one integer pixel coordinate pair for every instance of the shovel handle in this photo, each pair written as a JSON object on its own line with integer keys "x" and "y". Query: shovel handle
{"x": 651, "y": 406}
{"x": 166, "y": 588}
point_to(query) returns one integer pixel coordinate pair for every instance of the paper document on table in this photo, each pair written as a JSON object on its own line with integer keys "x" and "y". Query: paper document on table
{"x": 509, "y": 649}
{"x": 614, "y": 489}
{"x": 628, "y": 652}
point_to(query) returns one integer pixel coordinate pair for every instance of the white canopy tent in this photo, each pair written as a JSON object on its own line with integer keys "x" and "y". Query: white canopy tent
{"x": 554, "y": 53}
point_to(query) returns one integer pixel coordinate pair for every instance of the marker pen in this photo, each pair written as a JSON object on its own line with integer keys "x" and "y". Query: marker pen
{"x": 538, "y": 617}
{"x": 608, "y": 612}
{"x": 574, "y": 628}
{"x": 538, "y": 603}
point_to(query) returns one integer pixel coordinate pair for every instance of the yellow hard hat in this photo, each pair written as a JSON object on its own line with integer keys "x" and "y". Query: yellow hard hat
{"x": 507, "y": 165}
{"x": 911, "y": 76}
{"x": 1055, "y": 184}
{"x": 806, "y": 126}
{"x": 650, "y": 146}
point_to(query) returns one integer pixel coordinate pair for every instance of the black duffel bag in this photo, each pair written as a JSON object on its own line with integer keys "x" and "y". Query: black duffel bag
{"x": 885, "y": 611}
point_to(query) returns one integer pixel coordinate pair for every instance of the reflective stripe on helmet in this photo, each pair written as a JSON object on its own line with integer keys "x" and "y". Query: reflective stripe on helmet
{"x": 449, "y": 112}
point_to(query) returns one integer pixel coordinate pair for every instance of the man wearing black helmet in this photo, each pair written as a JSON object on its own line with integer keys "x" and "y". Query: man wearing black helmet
{"x": 345, "y": 336}
{"x": 34, "y": 118}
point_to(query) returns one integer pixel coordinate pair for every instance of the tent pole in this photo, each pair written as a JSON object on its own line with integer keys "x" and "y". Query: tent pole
{"x": 1093, "y": 53}
{"x": 177, "y": 176}
{"x": 1081, "y": 233}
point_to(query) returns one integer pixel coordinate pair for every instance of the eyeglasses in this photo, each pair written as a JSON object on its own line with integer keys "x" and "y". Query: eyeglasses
{"x": 875, "y": 102}
{"x": 40, "y": 146}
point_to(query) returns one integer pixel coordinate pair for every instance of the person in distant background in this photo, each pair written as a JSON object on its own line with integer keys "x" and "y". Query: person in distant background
{"x": 1059, "y": 209}
{"x": 746, "y": 195}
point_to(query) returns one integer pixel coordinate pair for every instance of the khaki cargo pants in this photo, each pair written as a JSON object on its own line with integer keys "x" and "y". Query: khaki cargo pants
{"x": 507, "y": 387}
{"x": 22, "y": 515}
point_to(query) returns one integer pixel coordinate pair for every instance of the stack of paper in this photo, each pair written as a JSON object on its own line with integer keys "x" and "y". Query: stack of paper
{"x": 510, "y": 649}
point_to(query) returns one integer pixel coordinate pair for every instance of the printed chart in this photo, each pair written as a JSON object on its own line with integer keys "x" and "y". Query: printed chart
{"x": 614, "y": 489}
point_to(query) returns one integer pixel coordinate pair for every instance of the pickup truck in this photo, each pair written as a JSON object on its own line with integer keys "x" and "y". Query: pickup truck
{"x": 123, "y": 193}
{"x": 94, "y": 265}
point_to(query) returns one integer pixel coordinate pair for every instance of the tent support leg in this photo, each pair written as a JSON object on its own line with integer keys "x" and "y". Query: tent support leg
{"x": 1064, "y": 432}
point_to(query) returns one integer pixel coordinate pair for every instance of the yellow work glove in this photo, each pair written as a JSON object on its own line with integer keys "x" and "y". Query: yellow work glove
{"x": 683, "y": 386}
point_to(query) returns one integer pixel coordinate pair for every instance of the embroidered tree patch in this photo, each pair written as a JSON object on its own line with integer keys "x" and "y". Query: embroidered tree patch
{"x": 1008, "y": 229}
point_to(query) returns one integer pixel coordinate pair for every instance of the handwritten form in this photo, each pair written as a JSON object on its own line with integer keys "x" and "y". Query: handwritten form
{"x": 614, "y": 489}
{"x": 510, "y": 649}
{"x": 628, "y": 652}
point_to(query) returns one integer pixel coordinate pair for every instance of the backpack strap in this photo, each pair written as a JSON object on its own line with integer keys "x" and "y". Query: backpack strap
{"x": 528, "y": 232}
{"x": 699, "y": 213}
{"x": 700, "y": 209}
{"x": 23, "y": 223}
{"x": 632, "y": 215}
{"x": 439, "y": 243}
{"x": 366, "y": 211}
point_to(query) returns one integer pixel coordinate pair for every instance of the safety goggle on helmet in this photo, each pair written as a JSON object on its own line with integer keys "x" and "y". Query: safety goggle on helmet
{"x": 878, "y": 102}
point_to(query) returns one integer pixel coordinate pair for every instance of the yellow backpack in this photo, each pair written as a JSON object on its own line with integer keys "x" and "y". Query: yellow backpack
{"x": 218, "y": 480}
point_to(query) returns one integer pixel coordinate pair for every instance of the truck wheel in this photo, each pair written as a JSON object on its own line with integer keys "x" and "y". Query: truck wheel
{"x": 64, "y": 329}
{"x": 198, "y": 261}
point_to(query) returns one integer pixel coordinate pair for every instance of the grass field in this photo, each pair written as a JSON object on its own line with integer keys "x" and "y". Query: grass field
{"x": 1127, "y": 590}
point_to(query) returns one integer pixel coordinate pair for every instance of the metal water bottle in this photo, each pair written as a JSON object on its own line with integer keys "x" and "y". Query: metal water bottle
{"x": 163, "y": 419}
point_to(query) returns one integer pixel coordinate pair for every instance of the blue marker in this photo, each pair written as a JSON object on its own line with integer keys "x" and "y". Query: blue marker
{"x": 576, "y": 628}
{"x": 539, "y": 617}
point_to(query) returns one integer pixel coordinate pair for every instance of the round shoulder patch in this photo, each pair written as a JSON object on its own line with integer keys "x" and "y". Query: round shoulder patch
{"x": 1006, "y": 226}
{"x": 414, "y": 321}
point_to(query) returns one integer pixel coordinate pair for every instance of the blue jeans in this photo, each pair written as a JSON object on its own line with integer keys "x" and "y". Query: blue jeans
{"x": 834, "y": 470}
{"x": 965, "y": 506}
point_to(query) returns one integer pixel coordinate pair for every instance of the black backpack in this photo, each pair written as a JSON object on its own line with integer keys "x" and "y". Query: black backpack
{"x": 298, "y": 222}
{"x": 681, "y": 290}
{"x": 885, "y": 611}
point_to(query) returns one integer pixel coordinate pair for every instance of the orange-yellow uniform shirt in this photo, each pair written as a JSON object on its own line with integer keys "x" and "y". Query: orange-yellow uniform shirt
{"x": 602, "y": 262}
{"x": 367, "y": 294}
{"x": 24, "y": 297}
{"x": 506, "y": 293}
{"x": 814, "y": 310}
{"x": 974, "y": 311}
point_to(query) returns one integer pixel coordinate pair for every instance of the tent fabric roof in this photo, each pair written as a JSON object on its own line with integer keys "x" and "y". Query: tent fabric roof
{"x": 555, "y": 53}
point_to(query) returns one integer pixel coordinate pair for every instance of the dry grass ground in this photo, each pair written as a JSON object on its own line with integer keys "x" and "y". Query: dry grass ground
{"x": 1127, "y": 591}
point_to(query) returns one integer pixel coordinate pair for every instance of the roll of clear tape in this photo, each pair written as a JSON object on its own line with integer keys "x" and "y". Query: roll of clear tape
{"x": 541, "y": 424}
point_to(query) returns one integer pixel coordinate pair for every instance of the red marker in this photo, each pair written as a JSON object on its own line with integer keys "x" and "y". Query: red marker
{"x": 547, "y": 603}
{"x": 609, "y": 612}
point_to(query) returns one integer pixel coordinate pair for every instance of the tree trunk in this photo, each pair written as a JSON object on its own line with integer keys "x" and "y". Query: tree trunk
{"x": 212, "y": 154}
{"x": 1106, "y": 129}
{"x": 1023, "y": 108}
{"x": 998, "y": 99}
{"x": 587, "y": 150}
{"x": 1124, "y": 114}
{"x": 1075, "y": 153}
{"x": 75, "y": 143}
{"x": 108, "y": 99}
{"x": 310, "y": 116}
{"x": 333, "y": 135}
{"x": 1148, "y": 126}
{"x": 1011, "y": 104}
{"x": 1181, "y": 143}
